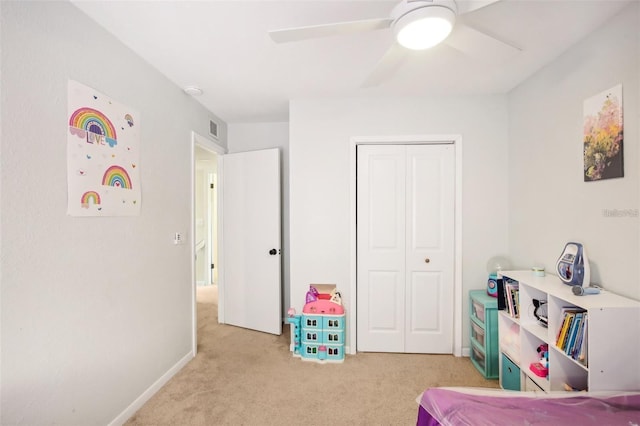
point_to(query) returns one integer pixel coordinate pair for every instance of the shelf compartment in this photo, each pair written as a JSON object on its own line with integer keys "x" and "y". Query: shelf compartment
{"x": 561, "y": 354}
{"x": 567, "y": 372}
{"x": 529, "y": 353}
{"x": 557, "y": 309}
{"x": 541, "y": 382}
{"x": 509, "y": 330}
{"x": 527, "y": 307}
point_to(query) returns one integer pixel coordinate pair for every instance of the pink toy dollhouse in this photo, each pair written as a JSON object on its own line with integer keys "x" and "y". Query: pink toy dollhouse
{"x": 318, "y": 334}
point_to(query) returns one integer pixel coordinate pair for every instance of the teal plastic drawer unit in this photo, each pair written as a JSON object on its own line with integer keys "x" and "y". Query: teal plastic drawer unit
{"x": 483, "y": 333}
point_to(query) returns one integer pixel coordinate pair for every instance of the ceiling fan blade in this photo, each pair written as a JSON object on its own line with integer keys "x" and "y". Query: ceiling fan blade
{"x": 340, "y": 28}
{"x": 466, "y": 6}
{"x": 393, "y": 58}
{"x": 480, "y": 45}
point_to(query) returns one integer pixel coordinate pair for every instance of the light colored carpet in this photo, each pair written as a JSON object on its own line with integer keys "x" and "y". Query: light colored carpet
{"x": 207, "y": 295}
{"x": 244, "y": 377}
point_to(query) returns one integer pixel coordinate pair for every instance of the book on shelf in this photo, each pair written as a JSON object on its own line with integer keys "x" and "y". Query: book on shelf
{"x": 501, "y": 300}
{"x": 566, "y": 323}
{"x": 560, "y": 329}
{"x": 571, "y": 338}
{"x": 503, "y": 293}
{"x": 582, "y": 352}
{"x": 575, "y": 352}
{"x": 511, "y": 290}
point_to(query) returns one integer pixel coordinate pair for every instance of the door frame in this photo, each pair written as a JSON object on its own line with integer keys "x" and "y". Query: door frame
{"x": 456, "y": 140}
{"x": 208, "y": 144}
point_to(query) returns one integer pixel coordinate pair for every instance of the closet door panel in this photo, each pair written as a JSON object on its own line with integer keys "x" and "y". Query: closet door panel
{"x": 381, "y": 249}
{"x": 430, "y": 248}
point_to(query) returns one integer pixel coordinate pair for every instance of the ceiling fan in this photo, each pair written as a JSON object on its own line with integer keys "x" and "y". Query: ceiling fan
{"x": 417, "y": 25}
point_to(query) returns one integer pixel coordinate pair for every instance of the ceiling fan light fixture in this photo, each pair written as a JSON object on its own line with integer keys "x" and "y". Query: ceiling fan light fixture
{"x": 425, "y": 27}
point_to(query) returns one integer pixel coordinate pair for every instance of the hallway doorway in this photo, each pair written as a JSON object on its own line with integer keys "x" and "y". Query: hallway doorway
{"x": 206, "y": 217}
{"x": 206, "y": 239}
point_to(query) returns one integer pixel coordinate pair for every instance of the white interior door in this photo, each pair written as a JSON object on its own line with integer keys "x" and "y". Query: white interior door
{"x": 381, "y": 248}
{"x": 430, "y": 248}
{"x": 405, "y": 248}
{"x": 251, "y": 242}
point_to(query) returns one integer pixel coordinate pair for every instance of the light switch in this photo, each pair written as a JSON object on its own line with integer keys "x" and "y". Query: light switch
{"x": 178, "y": 238}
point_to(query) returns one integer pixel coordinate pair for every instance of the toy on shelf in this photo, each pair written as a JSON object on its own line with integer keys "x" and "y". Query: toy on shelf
{"x": 318, "y": 333}
{"x": 573, "y": 265}
{"x": 312, "y": 294}
{"x": 541, "y": 368}
{"x": 495, "y": 265}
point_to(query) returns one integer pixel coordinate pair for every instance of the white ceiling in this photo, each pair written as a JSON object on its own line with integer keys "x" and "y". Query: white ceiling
{"x": 223, "y": 47}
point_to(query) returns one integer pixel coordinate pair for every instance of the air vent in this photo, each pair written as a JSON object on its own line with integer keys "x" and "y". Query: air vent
{"x": 213, "y": 129}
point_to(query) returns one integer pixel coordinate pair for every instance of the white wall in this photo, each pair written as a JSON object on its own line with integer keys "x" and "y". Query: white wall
{"x": 93, "y": 310}
{"x": 549, "y": 203}
{"x": 320, "y": 132}
{"x": 255, "y": 136}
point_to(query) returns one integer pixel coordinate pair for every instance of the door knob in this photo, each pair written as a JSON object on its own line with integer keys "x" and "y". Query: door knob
{"x": 273, "y": 252}
{"x": 427, "y": 260}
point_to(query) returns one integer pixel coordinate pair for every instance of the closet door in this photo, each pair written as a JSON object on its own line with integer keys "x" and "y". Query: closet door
{"x": 405, "y": 219}
{"x": 429, "y": 248}
{"x": 381, "y": 248}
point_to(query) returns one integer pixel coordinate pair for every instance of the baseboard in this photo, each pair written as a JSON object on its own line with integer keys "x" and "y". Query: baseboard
{"x": 147, "y": 394}
{"x": 347, "y": 350}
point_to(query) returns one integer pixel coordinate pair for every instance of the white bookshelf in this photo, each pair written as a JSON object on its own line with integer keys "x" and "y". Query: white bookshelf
{"x": 613, "y": 337}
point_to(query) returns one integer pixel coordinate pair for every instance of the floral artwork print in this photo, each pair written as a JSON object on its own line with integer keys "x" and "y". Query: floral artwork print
{"x": 603, "y": 135}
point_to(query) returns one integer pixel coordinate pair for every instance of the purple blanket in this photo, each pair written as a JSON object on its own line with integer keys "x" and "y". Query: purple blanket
{"x": 472, "y": 407}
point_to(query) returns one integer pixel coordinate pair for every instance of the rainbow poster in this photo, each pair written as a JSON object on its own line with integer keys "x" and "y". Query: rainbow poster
{"x": 90, "y": 197}
{"x": 103, "y": 146}
{"x": 94, "y": 125}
